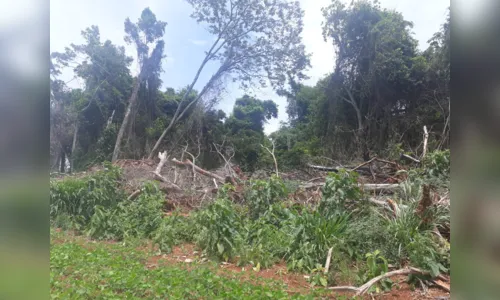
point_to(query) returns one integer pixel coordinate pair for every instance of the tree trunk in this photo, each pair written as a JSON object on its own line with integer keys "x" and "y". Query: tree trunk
{"x": 178, "y": 114}
{"x": 73, "y": 147}
{"x": 126, "y": 119}
{"x": 63, "y": 161}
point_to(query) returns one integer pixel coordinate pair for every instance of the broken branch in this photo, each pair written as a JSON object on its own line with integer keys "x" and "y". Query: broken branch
{"x": 365, "y": 287}
{"x": 187, "y": 162}
{"x": 274, "y": 157}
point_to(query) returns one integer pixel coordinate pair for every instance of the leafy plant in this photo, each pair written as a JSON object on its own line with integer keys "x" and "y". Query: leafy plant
{"x": 79, "y": 197}
{"x": 312, "y": 234}
{"x": 377, "y": 265}
{"x": 262, "y": 194}
{"x": 437, "y": 164}
{"x": 338, "y": 189}
{"x": 219, "y": 229}
{"x": 173, "y": 230}
{"x": 138, "y": 218}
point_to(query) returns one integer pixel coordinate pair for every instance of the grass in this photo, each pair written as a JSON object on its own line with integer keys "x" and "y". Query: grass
{"x": 99, "y": 270}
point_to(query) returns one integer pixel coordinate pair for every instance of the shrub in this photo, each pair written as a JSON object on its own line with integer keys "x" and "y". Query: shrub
{"x": 174, "y": 230}
{"x": 376, "y": 266}
{"x": 437, "y": 164}
{"x": 78, "y": 197}
{"x": 339, "y": 188}
{"x": 311, "y": 237}
{"x": 219, "y": 229}
{"x": 138, "y": 218}
{"x": 261, "y": 194}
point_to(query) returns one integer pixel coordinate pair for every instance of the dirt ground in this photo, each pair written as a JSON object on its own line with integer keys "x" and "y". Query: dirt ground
{"x": 187, "y": 256}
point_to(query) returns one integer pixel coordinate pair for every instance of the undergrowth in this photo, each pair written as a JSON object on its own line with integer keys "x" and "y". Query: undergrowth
{"x": 265, "y": 228}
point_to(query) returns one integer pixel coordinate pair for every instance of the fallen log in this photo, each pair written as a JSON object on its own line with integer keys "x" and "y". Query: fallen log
{"x": 365, "y": 187}
{"x": 134, "y": 195}
{"x": 365, "y": 287}
{"x": 187, "y": 162}
{"x": 324, "y": 168}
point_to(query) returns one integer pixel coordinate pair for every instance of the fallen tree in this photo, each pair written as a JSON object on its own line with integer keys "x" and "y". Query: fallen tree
{"x": 187, "y": 162}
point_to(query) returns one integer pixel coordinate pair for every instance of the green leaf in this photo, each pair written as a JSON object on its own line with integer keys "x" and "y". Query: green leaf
{"x": 220, "y": 248}
{"x": 323, "y": 281}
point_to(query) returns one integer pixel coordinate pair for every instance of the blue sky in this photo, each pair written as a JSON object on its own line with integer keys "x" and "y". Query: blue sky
{"x": 186, "y": 40}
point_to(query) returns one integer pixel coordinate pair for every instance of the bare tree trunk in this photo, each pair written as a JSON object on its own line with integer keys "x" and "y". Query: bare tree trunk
{"x": 178, "y": 114}
{"x": 63, "y": 161}
{"x": 73, "y": 147}
{"x": 126, "y": 119}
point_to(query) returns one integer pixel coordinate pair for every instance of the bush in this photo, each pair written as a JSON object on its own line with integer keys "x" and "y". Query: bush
{"x": 437, "y": 165}
{"x": 139, "y": 218}
{"x": 174, "y": 230}
{"x": 219, "y": 229}
{"x": 339, "y": 188}
{"x": 78, "y": 197}
{"x": 261, "y": 194}
{"x": 311, "y": 237}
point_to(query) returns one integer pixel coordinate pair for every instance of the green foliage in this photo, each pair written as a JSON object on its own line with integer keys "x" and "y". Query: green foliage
{"x": 219, "y": 229}
{"x": 138, "y": 218}
{"x": 262, "y": 194}
{"x": 246, "y": 129}
{"x": 377, "y": 265}
{"x": 264, "y": 244}
{"x": 116, "y": 271}
{"x": 436, "y": 165}
{"x": 311, "y": 237}
{"x": 339, "y": 189}
{"x": 78, "y": 198}
{"x": 174, "y": 230}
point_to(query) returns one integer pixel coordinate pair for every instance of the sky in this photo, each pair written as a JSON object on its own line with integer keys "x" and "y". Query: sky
{"x": 186, "y": 41}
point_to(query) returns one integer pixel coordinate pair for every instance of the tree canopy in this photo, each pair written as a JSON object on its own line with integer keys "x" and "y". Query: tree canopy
{"x": 376, "y": 100}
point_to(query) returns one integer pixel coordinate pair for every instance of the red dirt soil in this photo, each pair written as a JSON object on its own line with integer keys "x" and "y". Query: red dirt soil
{"x": 187, "y": 256}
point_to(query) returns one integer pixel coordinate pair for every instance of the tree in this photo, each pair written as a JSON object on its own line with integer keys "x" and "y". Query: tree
{"x": 146, "y": 32}
{"x": 246, "y": 128}
{"x": 255, "y": 41}
{"x": 375, "y": 57}
{"x": 104, "y": 70}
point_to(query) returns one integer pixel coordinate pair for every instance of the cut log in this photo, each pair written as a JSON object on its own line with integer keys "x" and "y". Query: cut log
{"x": 187, "y": 162}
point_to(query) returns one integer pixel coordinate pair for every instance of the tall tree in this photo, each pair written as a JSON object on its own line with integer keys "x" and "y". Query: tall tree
{"x": 246, "y": 128}
{"x": 146, "y": 32}
{"x": 375, "y": 56}
{"x": 255, "y": 41}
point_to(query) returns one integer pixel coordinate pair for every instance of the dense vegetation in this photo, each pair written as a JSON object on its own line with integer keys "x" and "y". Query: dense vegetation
{"x": 381, "y": 93}
{"x": 268, "y": 227}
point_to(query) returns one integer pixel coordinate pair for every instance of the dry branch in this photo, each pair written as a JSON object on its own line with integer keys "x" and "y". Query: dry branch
{"x": 187, "y": 162}
{"x": 426, "y": 137}
{"x": 410, "y": 158}
{"x": 163, "y": 159}
{"x": 274, "y": 157}
{"x": 365, "y": 287}
{"x": 328, "y": 258}
{"x": 134, "y": 195}
{"x": 324, "y": 168}
{"x": 366, "y": 187}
